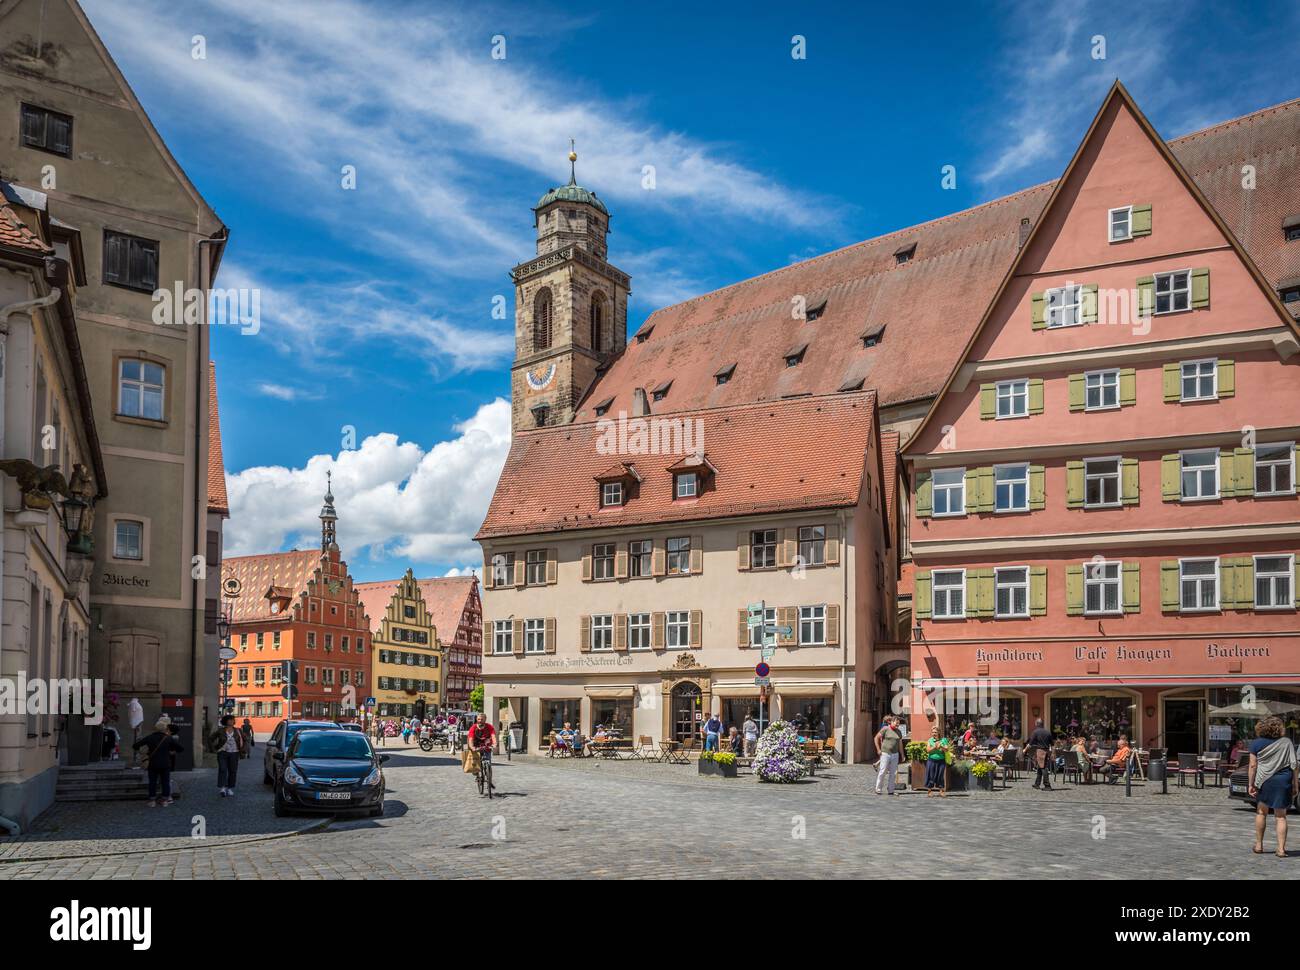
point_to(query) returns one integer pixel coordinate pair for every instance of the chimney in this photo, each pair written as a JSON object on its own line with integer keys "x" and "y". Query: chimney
{"x": 640, "y": 403}
{"x": 1024, "y": 233}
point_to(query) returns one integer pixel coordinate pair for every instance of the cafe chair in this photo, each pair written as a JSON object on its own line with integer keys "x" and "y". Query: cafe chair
{"x": 1072, "y": 767}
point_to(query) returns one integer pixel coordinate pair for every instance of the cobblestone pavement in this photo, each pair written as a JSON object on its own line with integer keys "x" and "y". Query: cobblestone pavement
{"x": 619, "y": 820}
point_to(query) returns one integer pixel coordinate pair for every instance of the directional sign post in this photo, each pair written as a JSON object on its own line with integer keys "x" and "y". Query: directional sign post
{"x": 755, "y": 613}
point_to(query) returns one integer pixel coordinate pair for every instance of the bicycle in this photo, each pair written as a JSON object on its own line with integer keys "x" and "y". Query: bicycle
{"x": 483, "y": 775}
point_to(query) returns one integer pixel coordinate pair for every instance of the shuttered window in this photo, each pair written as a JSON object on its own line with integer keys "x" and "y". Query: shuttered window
{"x": 1275, "y": 469}
{"x": 949, "y": 491}
{"x": 1274, "y": 579}
{"x": 130, "y": 261}
{"x": 1011, "y": 592}
{"x": 46, "y": 130}
{"x": 1199, "y": 585}
{"x": 949, "y": 587}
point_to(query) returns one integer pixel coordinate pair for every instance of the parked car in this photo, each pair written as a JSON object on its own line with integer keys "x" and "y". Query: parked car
{"x": 1239, "y": 781}
{"x": 330, "y": 771}
{"x": 351, "y": 726}
{"x": 278, "y": 741}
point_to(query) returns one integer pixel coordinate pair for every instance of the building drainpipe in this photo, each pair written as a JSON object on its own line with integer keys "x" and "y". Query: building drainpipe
{"x": 200, "y": 475}
{"x": 844, "y": 644}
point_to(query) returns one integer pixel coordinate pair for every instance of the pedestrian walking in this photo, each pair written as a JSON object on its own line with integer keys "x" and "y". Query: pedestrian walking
{"x": 712, "y": 731}
{"x": 750, "y": 730}
{"x": 158, "y": 748}
{"x": 1273, "y": 780}
{"x": 1040, "y": 744}
{"x": 889, "y": 740}
{"x": 228, "y": 742}
{"x": 246, "y": 729}
{"x": 938, "y": 749}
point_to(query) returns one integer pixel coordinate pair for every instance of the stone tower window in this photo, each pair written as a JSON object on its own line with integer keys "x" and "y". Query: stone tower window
{"x": 597, "y": 321}
{"x": 542, "y": 320}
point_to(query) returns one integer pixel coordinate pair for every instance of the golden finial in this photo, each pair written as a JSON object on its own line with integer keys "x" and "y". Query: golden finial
{"x": 573, "y": 158}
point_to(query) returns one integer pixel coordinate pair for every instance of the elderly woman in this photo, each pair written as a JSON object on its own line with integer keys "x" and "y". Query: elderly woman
{"x": 1274, "y": 779}
{"x": 937, "y": 748}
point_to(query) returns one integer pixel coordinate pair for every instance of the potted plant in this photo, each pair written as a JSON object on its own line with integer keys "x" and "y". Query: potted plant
{"x": 706, "y": 764}
{"x": 724, "y": 763}
{"x": 959, "y": 774}
{"x": 981, "y": 774}
{"x": 916, "y": 753}
{"x": 779, "y": 755}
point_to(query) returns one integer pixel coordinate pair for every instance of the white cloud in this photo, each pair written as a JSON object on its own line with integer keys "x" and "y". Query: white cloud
{"x": 395, "y": 500}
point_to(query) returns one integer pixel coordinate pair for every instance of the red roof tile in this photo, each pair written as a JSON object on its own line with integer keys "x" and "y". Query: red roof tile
{"x": 257, "y": 574}
{"x": 765, "y": 457}
{"x": 15, "y": 234}
{"x": 445, "y": 598}
{"x": 218, "y": 501}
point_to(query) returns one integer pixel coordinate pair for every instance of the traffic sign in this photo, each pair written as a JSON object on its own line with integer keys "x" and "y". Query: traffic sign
{"x": 762, "y": 669}
{"x": 769, "y": 641}
{"x": 785, "y": 631}
{"x": 755, "y": 614}
{"x": 289, "y": 692}
{"x": 768, "y": 653}
{"x": 370, "y": 702}
{"x": 763, "y": 681}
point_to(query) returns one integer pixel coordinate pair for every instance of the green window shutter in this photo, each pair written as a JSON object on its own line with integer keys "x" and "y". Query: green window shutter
{"x": 1037, "y": 590}
{"x": 1295, "y": 584}
{"x": 1036, "y": 395}
{"x": 1037, "y": 487}
{"x": 1040, "y": 310}
{"x": 923, "y": 600}
{"x": 1140, "y": 220}
{"x": 1200, "y": 288}
{"x": 1074, "y": 590}
{"x": 1078, "y": 399}
{"x": 1171, "y": 478}
{"x": 1146, "y": 288}
{"x": 1244, "y": 462}
{"x": 1128, "y": 387}
{"x": 1169, "y": 598}
{"x": 972, "y": 499}
{"x": 924, "y": 495}
{"x": 1173, "y": 382}
{"x": 988, "y": 401}
{"x": 1227, "y": 378}
{"x": 1132, "y": 587}
{"x": 1245, "y": 570}
{"x": 979, "y": 592}
{"x": 1074, "y": 484}
{"x": 1227, "y": 474}
{"x": 1227, "y": 584}
{"x": 1088, "y": 297}
{"x": 986, "y": 489}
{"x": 1130, "y": 484}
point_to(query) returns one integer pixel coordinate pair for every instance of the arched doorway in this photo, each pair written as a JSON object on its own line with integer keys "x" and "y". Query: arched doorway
{"x": 686, "y": 700}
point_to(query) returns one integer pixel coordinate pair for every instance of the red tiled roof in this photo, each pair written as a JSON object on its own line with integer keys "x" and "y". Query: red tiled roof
{"x": 15, "y": 234}
{"x": 931, "y": 303}
{"x": 256, "y": 574}
{"x": 889, "y": 441}
{"x": 445, "y": 598}
{"x": 375, "y": 597}
{"x": 217, "y": 499}
{"x": 765, "y": 457}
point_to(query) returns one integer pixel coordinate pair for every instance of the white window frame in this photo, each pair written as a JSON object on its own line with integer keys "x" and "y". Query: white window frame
{"x": 756, "y": 632}
{"x": 139, "y": 387}
{"x": 1218, "y": 593}
{"x": 642, "y": 557}
{"x": 1173, "y": 291}
{"x": 811, "y": 618}
{"x": 1098, "y": 575}
{"x": 1182, "y": 470}
{"x": 949, "y": 489}
{"x": 947, "y": 588}
{"x": 1118, "y": 477}
{"x": 686, "y": 485}
{"x": 813, "y": 544}
{"x": 1128, "y": 224}
{"x": 1290, "y": 446}
{"x": 610, "y": 561}
{"x": 143, "y": 523}
{"x": 602, "y": 632}
{"x": 638, "y": 628}
{"x": 1012, "y": 392}
{"x": 1010, "y": 465}
{"x": 611, "y": 494}
{"x": 1198, "y": 377}
{"x": 503, "y": 569}
{"x": 1288, "y": 575}
{"x": 535, "y": 636}
{"x": 503, "y": 634}
{"x": 679, "y": 621}
{"x": 681, "y": 556}
{"x": 1102, "y": 387}
{"x": 769, "y": 562}
{"x": 999, "y": 584}
{"x": 1073, "y": 289}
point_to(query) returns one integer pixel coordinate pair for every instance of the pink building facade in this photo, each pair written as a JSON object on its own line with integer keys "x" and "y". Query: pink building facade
{"x": 1104, "y": 524}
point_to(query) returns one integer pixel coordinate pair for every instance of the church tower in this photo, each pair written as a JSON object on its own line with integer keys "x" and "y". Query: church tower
{"x": 570, "y": 307}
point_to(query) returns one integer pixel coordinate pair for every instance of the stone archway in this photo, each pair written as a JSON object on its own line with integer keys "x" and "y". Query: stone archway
{"x": 686, "y": 688}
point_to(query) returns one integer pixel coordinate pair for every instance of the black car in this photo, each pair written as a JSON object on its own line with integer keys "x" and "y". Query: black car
{"x": 1239, "y": 781}
{"x": 280, "y": 739}
{"x": 330, "y": 771}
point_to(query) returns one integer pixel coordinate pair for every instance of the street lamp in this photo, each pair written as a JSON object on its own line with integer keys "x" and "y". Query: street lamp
{"x": 223, "y": 628}
{"x": 74, "y": 511}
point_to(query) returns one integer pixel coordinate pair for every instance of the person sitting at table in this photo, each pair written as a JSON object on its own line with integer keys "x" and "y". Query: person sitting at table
{"x": 1080, "y": 748}
{"x": 566, "y": 738}
{"x": 1117, "y": 762}
{"x": 968, "y": 736}
{"x": 733, "y": 740}
{"x": 1003, "y": 746}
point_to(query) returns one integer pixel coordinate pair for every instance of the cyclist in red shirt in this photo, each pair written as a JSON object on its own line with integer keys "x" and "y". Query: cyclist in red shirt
{"x": 482, "y": 736}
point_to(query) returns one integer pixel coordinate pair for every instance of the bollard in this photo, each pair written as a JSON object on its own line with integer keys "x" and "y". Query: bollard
{"x": 1128, "y": 778}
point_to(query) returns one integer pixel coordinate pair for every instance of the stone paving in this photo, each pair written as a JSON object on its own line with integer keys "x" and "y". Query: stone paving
{"x": 616, "y": 820}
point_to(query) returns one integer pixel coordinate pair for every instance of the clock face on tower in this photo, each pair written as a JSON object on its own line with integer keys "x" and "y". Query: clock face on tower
{"x": 335, "y": 586}
{"x": 539, "y": 378}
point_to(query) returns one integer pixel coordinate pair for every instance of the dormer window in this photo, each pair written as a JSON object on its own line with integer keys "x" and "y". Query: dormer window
{"x": 794, "y": 356}
{"x": 1291, "y": 294}
{"x": 905, "y": 254}
{"x": 686, "y": 485}
{"x": 603, "y": 407}
{"x": 611, "y": 494}
{"x": 853, "y": 384}
{"x": 873, "y": 335}
{"x": 1291, "y": 228}
{"x": 643, "y": 334}
{"x": 724, "y": 375}
{"x": 813, "y": 312}
{"x": 661, "y": 392}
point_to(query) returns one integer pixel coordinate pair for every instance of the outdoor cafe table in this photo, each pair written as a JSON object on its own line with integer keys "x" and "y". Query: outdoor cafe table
{"x": 604, "y": 747}
{"x": 673, "y": 753}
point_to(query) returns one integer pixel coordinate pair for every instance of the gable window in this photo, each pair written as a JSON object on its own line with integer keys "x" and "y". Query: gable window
{"x": 128, "y": 539}
{"x": 535, "y": 567}
{"x": 503, "y": 569}
{"x": 1200, "y": 474}
{"x": 140, "y": 387}
{"x": 873, "y": 336}
{"x": 1121, "y": 224}
{"x": 686, "y": 485}
{"x": 602, "y": 632}
{"x": 46, "y": 130}
{"x": 611, "y": 493}
{"x": 602, "y": 560}
{"x": 534, "y": 636}
{"x": 949, "y": 491}
{"x": 762, "y": 549}
{"x": 1064, "y": 306}
{"x": 724, "y": 375}
{"x": 813, "y": 312}
{"x": 1173, "y": 291}
{"x": 1274, "y": 469}
{"x": 1199, "y": 581}
{"x": 1100, "y": 482}
{"x": 1273, "y": 579}
{"x": 639, "y": 555}
{"x": 1289, "y": 294}
{"x": 1199, "y": 380}
{"x": 1013, "y": 399}
{"x": 1011, "y": 592}
{"x": 1011, "y": 488}
{"x": 949, "y": 592}
{"x": 638, "y": 631}
{"x": 130, "y": 261}
{"x": 1101, "y": 588}
{"x": 812, "y": 545}
{"x": 603, "y": 407}
{"x": 1101, "y": 390}
{"x": 756, "y": 632}
{"x": 679, "y": 555}
{"x": 678, "y": 628}
{"x": 905, "y": 254}
{"x": 812, "y": 626}
{"x": 542, "y": 320}
{"x": 794, "y": 356}
{"x": 661, "y": 392}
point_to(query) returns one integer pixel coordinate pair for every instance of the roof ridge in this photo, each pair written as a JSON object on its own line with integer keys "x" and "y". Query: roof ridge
{"x": 1281, "y": 105}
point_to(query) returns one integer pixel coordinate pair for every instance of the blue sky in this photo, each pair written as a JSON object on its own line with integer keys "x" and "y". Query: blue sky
{"x": 376, "y": 302}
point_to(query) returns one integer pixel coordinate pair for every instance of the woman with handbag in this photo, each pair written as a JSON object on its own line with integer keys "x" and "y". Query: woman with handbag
{"x": 1274, "y": 779}
{"x": 158, "y": 748}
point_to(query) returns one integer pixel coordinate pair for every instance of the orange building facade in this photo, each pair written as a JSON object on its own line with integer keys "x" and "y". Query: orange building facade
{"x": 1104, "y": 523}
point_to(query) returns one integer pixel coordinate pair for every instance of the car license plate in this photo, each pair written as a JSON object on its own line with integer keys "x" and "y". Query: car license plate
{"x": 1237, "y": 789}
{"x": 334, "y": 796}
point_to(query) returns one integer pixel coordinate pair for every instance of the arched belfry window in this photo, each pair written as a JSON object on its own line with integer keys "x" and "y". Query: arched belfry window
{"x": 598, "y": 315}
{"x": 542, "y": 320}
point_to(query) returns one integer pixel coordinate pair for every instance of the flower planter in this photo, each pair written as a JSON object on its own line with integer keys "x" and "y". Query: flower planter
{"x": 707, "y": 766}
{"x": 918, "y": 776}
{"x": 981, "y": 784}
{"x": 724, "y": 770}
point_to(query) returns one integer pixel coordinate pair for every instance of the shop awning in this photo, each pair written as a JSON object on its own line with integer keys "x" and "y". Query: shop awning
{"x": 611, "y": 693}
{"x": 735, "y": 689}
{"x": 804, "y": 688}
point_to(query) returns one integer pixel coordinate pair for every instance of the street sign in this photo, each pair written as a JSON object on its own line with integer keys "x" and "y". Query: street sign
{"x": 785, "y": 631}
{"x": 763, "y": 681}
{"x": 768, "y": 653}
{"x": 370, "y": 702}
{"x": 755, "y": 613}
{"x": 769, "y": 641}
{"x": 227, "y": 653}
{"x": 762, "y": 669}
{"x": 289, "y": 692}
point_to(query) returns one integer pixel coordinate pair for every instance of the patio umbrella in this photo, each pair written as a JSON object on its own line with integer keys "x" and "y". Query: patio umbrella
{"x": 1258, "y": 709}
